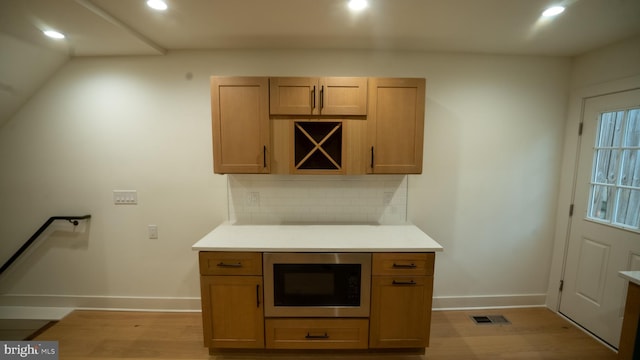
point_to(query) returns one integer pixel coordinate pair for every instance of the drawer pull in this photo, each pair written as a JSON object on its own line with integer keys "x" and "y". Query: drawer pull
{"x": 309, "y": 336}
{"x": 404, "y": 266}
{"x": 410, "y": 282}
{"x": 234, "y": 265}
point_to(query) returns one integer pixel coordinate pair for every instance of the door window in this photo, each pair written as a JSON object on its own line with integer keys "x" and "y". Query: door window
{"x": 615, "y": 181}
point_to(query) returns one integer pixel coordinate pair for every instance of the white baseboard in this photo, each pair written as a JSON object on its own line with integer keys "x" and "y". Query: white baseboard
{"x": 120, "y": 303}
{"x": 488, "y": 301}
{"x": 192, "y": 304}
{"x": 34, "y": 313}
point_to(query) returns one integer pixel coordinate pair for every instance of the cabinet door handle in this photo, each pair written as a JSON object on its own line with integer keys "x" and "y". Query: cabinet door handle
{"x": 321, "y": 97}
{"x": 410, "y": 282}
{"x": 313, "y": 97}
{"x": 404, "y": 266}
{"x": 372, "y": 157}
{"x": 258, "y": 295}
{"x": 233, "y": 265}
{"x": 264, "y": 155}
{"x": 324, "y": 336}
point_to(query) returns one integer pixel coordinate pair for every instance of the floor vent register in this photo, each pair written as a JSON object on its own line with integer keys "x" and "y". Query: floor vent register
{"x": 490, "y": 320}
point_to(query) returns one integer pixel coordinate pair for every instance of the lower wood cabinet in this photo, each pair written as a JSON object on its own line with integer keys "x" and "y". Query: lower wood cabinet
{"x": 233, "y": 314}
{"x": 401, "y": 299}
{"x": 400, "y": 311}
{"x": 232, "y": 310}
{"x": 317, "y": 333}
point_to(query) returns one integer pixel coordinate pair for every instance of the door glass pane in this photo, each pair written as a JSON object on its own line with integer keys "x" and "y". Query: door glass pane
{"x": 610, "y": 130}
{"x": 615, "y": 181}
{"x": 628, "y": 212}
{"x": 606, "y": 162}
{"x": 632, "y": 134}
{"x": 600, "y": 204}
{"x": 630, "y": 173}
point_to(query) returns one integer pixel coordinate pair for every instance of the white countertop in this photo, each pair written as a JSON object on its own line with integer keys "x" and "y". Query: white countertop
{"x": 632, "y": 276}
{"x": 317, "y": 238}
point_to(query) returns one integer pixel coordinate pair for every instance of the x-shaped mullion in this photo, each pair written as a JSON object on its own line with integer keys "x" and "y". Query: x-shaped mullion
{"x": 318, "y": 145}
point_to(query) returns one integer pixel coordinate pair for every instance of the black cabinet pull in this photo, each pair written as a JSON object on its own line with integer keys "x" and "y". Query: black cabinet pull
{"x": 258, "y": 295}
{"x": 372, "y": 157}
{"x": 234, "y": 265}
{"x": 264, "y": 155}
{"x": 404, "y": 266}
{"x": 410, "y": 282}
{"x": 309, "y": 336}
{"x": 313, "y": 97}
{"x": 321, "y": 97}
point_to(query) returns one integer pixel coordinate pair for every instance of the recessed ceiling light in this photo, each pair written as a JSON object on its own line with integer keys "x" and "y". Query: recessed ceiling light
{"x": 553, "y": 11}
{"x": 157, "y": 5}
{"x": 357, "y": 4}
{"x": 54, "y": 34}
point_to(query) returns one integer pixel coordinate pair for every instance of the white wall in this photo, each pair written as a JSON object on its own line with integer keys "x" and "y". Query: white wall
{"x": 493, "y": 138}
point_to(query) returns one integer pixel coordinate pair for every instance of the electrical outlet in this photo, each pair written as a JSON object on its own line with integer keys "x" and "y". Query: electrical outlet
{"x": 253, "y": 198}
{"x": 125, "y": 197}
{"x": 153, "y": 231}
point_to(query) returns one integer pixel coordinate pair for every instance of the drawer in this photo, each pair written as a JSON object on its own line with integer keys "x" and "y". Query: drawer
{"x": 317, "y": 333}
{"x": 230, "y": 263}
{"x": 403, "y": 263}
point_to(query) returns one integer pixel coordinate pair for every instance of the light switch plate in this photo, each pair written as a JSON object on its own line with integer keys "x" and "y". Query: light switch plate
{"x": 153, "y": 231}
{"x": 125, "y": 197}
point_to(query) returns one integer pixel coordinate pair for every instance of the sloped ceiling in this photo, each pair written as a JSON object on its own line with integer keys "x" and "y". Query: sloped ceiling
{"x": 129, "y": 27}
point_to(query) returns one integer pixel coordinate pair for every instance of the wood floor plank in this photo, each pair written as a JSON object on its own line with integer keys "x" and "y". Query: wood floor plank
{"x": 535, "y": 333}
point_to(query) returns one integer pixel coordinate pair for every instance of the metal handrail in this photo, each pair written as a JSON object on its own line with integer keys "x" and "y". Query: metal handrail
{"x": 25, "y": 246}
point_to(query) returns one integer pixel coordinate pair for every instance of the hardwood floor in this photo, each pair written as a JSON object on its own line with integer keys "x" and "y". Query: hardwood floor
{"x": 534, "y": 333}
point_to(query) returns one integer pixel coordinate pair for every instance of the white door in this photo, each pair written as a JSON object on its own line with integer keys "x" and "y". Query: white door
{"x": 605, "y": 235}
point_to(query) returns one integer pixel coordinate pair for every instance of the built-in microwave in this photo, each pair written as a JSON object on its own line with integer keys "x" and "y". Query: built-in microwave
{"x": 317, "y": 284}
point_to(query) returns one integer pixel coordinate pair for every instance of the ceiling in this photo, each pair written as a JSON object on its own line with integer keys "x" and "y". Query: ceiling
{"x": 129, "y": 27}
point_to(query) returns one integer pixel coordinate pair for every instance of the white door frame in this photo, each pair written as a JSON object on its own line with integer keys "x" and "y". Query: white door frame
{"x": 567, "y": 178}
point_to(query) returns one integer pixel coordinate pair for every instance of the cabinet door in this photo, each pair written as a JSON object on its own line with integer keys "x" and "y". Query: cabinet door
{"x": 318, "y": 96}
{"x": 293, "y": 96}
{"x": 240, "y": 124}
{"x": 343, "y": 96}
{"x": 400, "y": 311}
{"x": 232, "y": 311}
{"x": 396, "y": 125}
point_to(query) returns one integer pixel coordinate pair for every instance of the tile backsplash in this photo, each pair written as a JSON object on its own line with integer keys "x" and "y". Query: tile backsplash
{"x": 281, "y": 199}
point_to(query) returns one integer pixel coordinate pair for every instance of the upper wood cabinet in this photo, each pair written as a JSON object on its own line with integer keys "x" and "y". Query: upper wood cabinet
{"x": 395, "y": 125}
{"x": 318, "y": 96}
{"x": 322, "y": 125}
{"x": 240, "y": 124}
